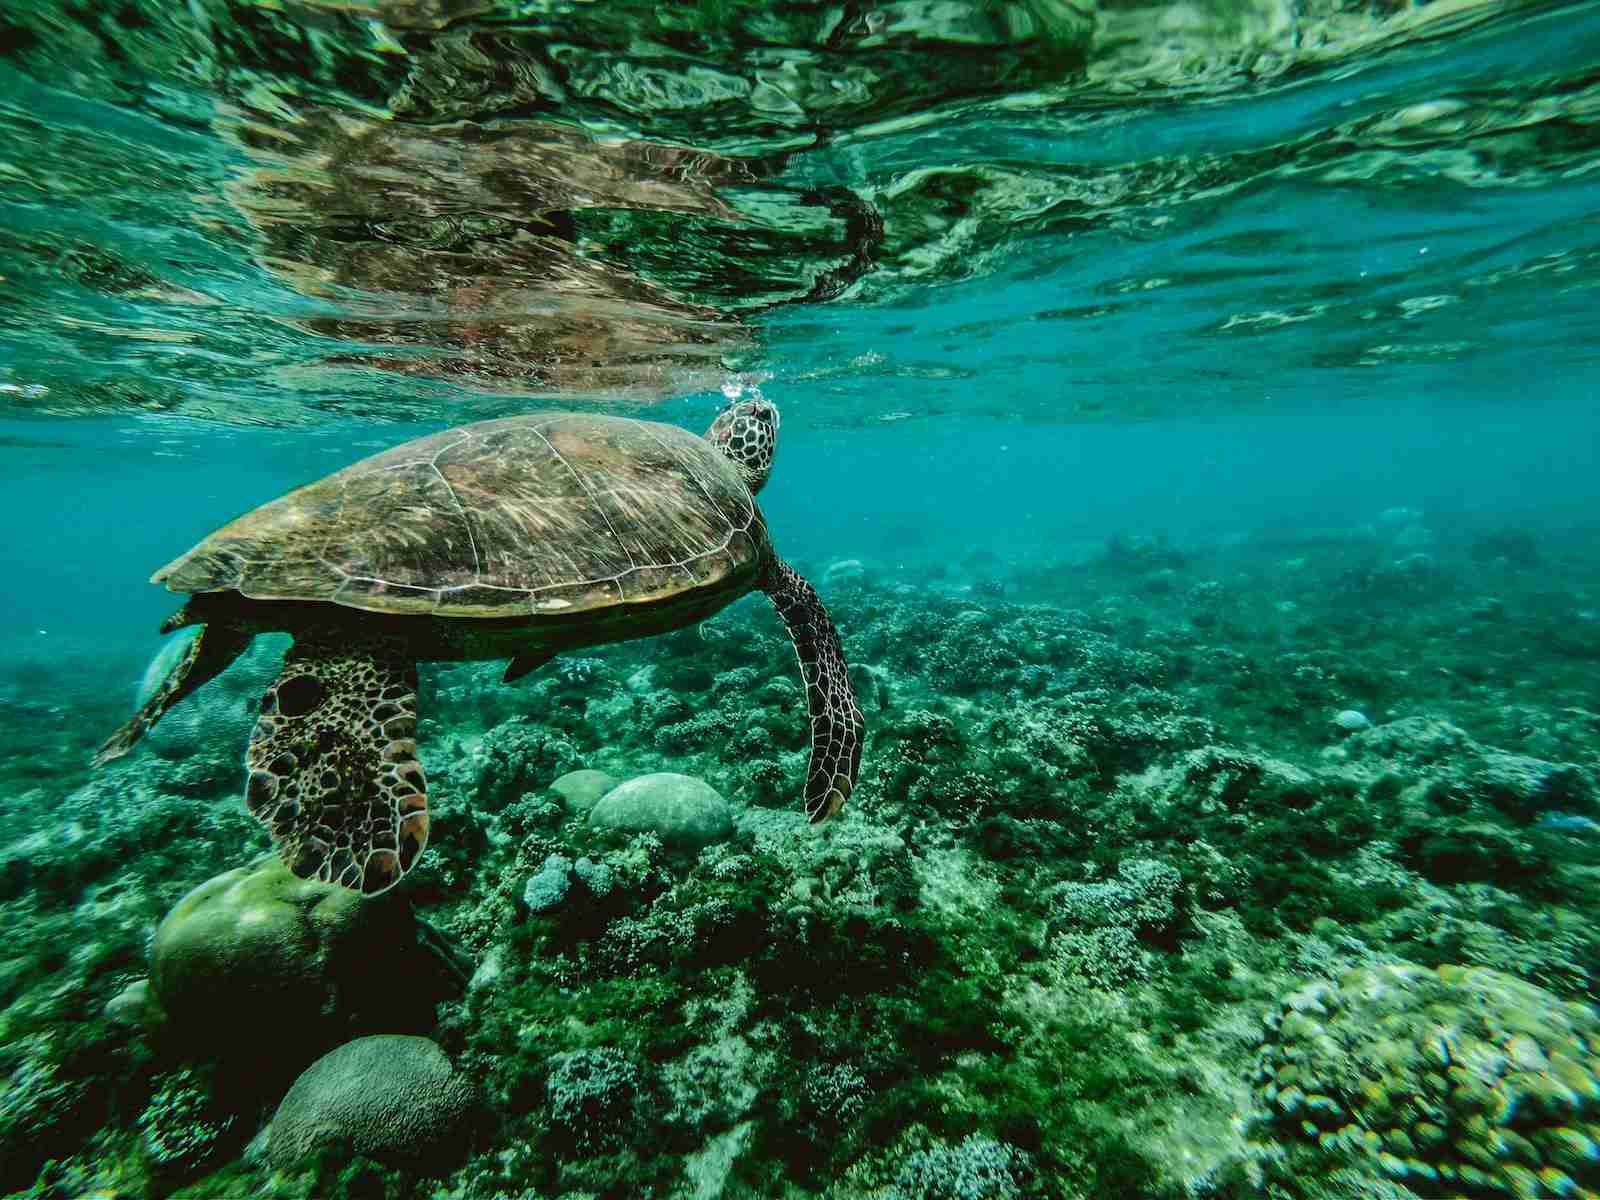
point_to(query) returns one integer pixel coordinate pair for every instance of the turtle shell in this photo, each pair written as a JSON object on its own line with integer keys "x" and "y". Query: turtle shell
{"x": 546, "y": 514}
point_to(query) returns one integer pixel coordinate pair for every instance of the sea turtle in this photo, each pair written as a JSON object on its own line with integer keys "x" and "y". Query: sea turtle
{"x": 525, "y": 538}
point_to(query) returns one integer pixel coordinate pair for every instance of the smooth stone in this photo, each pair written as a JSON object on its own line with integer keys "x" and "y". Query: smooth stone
{"x": 134, "y": 1007}
{"x": 682, "y": 810}
{"x": 1351, "y": 721}
{"x": 580, "y": 791}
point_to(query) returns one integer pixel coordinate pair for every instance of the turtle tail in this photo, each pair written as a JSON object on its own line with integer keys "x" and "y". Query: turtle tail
{"x": 836, "y": 723}
{"x": 209, "y": 654}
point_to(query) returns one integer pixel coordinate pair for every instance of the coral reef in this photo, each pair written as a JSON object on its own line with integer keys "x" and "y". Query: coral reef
{"x": 37, "y": 1103}
{"x": 1109, "y": 818}
{"x": 979, "y": 1168}
{"x": 181, "y": 1132}
{"x": 1430, "y": 1082}
{"x": 549, "y": 887}
{"x": 590, "y": 1096}
{"x": 1098, "y": 925}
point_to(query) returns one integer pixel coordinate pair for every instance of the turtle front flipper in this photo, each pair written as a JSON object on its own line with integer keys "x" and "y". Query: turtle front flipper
{"x": 208, "y": 655}
{"x": 333, "y": 761}
{"x": 836, "y": 723}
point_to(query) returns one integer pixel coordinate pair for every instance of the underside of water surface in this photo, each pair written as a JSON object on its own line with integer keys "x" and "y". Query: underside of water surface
{"x": 1185, "y": 416}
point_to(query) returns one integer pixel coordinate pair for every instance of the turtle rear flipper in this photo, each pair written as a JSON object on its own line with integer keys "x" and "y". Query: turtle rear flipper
{"x": 333, "y": 761}
{"x": 836, "y": 722}
{"x": 208, "y": 655}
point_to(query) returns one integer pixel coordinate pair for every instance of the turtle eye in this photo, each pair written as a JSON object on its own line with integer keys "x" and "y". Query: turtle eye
{"x": 299, "y": 694}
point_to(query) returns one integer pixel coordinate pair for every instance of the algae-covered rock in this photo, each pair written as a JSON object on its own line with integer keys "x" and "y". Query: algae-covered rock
{"x": 180, "y": 1131}
{"x": 547, "y": 888}
{"x": 580, "y": 791}
{"x": 1413, "y": 741}
{"x": 1460, "y": 1080}
{"x": 1464, "y": 851}
{"x": 134, "y": 1007}
{"x": 1523, "y": 788}
{"x": 681, "y": 810}
{"x": 592, "y": 1096}
{"x": 255, "y": 960}
{"x": 395, "y": 1099}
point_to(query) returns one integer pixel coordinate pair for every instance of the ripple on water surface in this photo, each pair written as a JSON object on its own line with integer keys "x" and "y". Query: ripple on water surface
{"x": 398, "y": 210}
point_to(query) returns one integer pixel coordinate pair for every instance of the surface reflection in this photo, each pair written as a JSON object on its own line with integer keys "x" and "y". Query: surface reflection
{"x": 454, "y": 251}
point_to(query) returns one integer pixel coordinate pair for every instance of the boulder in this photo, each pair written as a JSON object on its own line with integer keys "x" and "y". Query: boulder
{"x": 1351, "y": 720}
{"x": 134, "y": 1007}
{"x": 581, "y": 790}
{"x": 256, "y": 959}
{"x": 681, "y": 810}
{"x": 398, "y": 1100}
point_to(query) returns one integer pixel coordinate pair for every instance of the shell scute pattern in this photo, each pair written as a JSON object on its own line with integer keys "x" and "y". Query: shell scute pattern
{"x": 333, "y": 762}
{"x": 527, "y": 515}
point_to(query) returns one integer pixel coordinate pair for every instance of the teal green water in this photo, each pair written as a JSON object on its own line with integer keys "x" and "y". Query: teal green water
{"x": 1188, "y": 420}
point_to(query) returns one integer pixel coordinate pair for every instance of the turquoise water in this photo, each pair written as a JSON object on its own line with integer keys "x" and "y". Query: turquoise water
{"x": 1188, "y": 420}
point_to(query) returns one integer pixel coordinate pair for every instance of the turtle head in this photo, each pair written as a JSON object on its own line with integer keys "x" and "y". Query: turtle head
{"x": 747, "y": 433}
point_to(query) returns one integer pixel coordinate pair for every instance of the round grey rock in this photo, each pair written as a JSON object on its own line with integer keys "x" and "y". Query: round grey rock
{"x": 680, "y": 809}
{"x": 134, "y": 1007}
{"x": 581, "y": 790}
{"x": 1351, "y": 721}
{"x": 395, "y": 1099}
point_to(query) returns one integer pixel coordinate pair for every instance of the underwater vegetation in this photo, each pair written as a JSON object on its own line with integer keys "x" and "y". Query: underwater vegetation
{"x": 1168, "y": 875}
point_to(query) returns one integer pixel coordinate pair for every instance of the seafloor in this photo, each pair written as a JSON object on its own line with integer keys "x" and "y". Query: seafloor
{"x": 1253, "y": 869}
